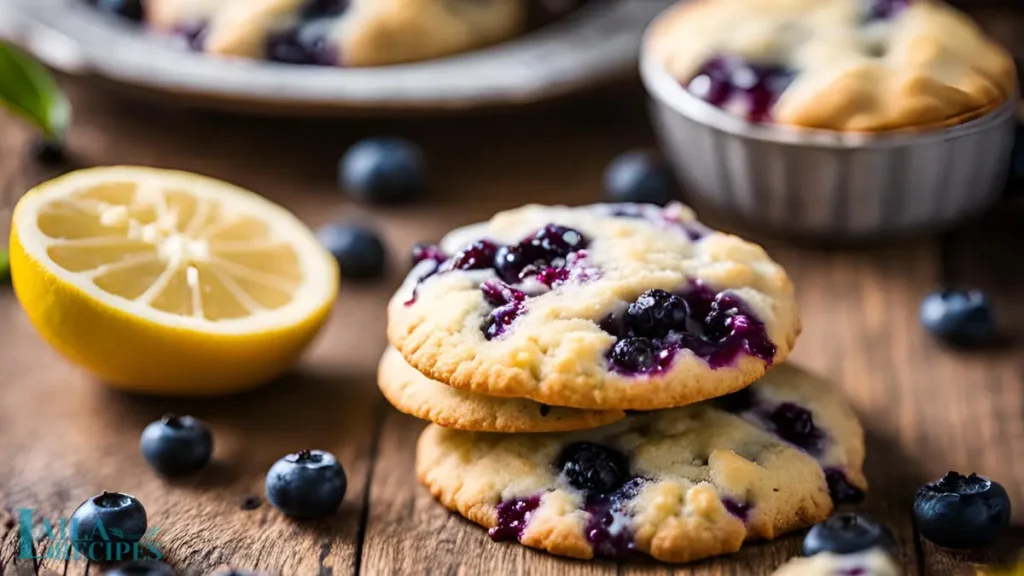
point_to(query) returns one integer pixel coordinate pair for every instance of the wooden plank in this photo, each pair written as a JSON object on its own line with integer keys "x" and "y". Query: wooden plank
{"x": 66, "y": 438}
{"x": 990, "y": 383}
{"x": 860, "y": 331}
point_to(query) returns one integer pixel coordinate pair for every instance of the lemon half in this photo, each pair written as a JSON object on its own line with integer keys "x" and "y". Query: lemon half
{"x": 167, "y": 282}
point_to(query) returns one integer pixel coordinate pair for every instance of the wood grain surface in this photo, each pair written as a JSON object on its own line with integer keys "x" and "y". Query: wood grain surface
{"x": 63, "y": 437}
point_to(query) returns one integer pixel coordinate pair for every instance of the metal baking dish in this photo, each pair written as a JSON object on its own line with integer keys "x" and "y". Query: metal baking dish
{"x": 825, "y": 183}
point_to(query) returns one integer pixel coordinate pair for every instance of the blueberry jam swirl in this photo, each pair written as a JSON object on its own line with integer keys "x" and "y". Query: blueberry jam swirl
{"x": 717, "y": 327}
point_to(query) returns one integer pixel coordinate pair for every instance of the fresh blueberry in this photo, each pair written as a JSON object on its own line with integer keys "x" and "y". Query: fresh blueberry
{"x": 655, "y": 313}
{"x": 594, "y": 468}
{"x": 142, "y": 568}
{"x": 640, "y": 177}
{"x": 960, "y": 318}
{"x": 359, "y": 250}
{"x": 129, "y": 9}
{"x": 307, "y": 484}
{"x": 108, "y": 517}
{"x": 176, "y": 445}
{"x": 959, "y": 511}
{"x": 847, "y": 533}
{"x": 384, "y": 170}
{"x": 48, "y": 151}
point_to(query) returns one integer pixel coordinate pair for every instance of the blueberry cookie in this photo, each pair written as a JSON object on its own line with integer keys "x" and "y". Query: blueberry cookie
{"x": 339, "y": 32}
{"x": 873, "y": 562}
{"x": 855, "y": 65}
{"x": 419, "y": 396}
{"x": 678, "y": 484}
{"x": 598, "y": 307}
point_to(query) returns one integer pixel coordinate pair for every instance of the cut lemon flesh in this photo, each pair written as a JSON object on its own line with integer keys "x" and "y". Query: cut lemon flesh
{"x": 169, "y": 282}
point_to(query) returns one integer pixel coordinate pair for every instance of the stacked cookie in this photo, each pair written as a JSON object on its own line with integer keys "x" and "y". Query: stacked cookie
{"x": 598, "y": 379}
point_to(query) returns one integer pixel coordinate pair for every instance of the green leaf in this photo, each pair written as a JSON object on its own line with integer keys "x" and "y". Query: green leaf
{"x": 28, "y": 89}
{"x": 5, "y": 265}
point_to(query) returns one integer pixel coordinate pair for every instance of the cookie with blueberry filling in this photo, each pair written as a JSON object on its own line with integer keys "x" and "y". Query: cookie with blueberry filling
{"x": 596, "y": 307}
{"x": 419, "y": 396}
{"x": 801, "y": 409}
{"x": 852, "y": 65}
{"x": 678, "y": 484}
{"x": 339, "y": 32}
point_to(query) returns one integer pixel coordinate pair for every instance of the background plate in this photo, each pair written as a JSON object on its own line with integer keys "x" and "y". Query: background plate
{"x": 597, "y": 44}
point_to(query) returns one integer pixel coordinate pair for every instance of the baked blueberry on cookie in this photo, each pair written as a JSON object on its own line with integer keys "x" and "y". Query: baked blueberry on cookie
{"x": 854, "y": 65}
{"x": 416, "y": 395}
{"x": 618, "y": 306}
{"x": 345, "y": 32}
{"x": 678, "y": 484}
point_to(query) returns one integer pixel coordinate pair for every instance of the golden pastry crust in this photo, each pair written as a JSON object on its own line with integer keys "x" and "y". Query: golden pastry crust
{"x": 555, "y": 353}
{"x": 367, "y": 33}
{"x": 927, "y": 66}
{"x": 696, "y": 463}
{"x": 419, "y": 396}
{"x": 171, "y": 14}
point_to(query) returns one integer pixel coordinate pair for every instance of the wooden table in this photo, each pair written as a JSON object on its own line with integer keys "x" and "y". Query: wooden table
{"x": 63, "y": 437}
